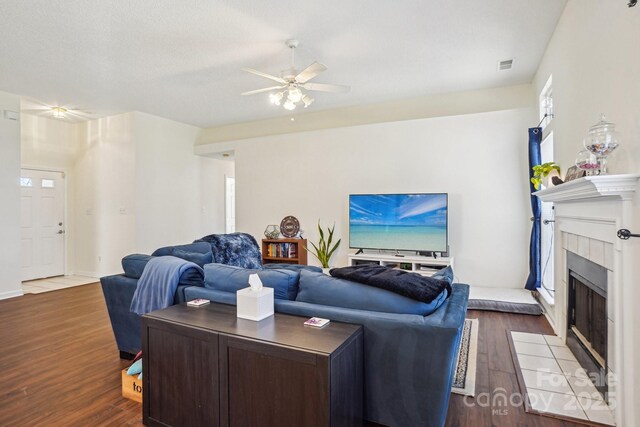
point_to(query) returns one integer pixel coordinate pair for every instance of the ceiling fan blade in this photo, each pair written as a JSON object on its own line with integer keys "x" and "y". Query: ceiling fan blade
{"x": 266, "y": 89}
{"x": 261, "y": 74}
{"x": 322, "y": 87}
{"x": 310, "y": 72}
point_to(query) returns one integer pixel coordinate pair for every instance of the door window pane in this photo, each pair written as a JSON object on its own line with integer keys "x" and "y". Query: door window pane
{"x": 26, "y": 182}
{"x": 48, "y": 183}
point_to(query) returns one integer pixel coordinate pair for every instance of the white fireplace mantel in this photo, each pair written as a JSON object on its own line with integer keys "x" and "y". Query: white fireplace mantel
{"x": 589, "y": 187}
{"x": 588, "y": 212}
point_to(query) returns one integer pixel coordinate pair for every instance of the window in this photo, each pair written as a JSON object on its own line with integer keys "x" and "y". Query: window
{"x": 546, "y": 103}
{"x": 48, "y": 183}
{"x": 26, "y": 182}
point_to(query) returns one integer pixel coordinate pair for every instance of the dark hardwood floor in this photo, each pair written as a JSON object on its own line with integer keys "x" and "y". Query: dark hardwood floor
{"x": 60, "y": 366}
{"x": 59, "y": 362}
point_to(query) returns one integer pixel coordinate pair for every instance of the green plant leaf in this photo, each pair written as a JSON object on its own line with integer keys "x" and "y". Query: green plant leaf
{"x": 334, "y": 249}
{"x": 324, "y": 249}
{"x": 330, "y": 238}
{"x": 315, "y": 252}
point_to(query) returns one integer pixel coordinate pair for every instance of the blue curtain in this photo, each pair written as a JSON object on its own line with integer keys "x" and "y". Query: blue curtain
{"x": 533, "y": 281}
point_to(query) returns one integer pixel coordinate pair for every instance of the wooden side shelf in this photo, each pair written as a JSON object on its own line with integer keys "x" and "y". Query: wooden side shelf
{"x": 284, "y": 251}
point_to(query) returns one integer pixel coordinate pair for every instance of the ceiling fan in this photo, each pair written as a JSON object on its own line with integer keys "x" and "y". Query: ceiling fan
{"x": 293, "y": 82}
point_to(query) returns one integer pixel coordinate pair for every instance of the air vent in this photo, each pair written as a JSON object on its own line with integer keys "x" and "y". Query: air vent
{"x": 505, "y": 65}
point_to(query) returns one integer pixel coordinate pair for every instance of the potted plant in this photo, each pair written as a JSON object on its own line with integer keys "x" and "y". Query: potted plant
{"x": 323, "y": 250}
{"x": 541, "y": 174}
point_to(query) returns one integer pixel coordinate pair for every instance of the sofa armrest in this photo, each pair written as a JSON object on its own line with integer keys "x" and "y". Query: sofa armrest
{"x": 118, "y": 292}
{"x": 409, "y": 359}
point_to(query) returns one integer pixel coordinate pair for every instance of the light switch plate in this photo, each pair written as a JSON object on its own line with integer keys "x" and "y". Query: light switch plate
{"x": 11, "y": 115}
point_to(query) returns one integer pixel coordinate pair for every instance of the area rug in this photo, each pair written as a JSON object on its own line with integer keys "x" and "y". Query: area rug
{"x": 464, "y": 380}
{"x": 519, "y": 301}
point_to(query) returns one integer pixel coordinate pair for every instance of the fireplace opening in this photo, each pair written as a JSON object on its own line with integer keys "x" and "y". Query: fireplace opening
{"x": 587, "y": 317}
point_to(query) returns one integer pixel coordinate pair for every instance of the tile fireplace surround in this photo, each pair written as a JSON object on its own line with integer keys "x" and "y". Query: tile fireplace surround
{"x": 588, "y": 213}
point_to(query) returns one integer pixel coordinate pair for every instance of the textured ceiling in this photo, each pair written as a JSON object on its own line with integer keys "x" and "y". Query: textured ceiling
{"x": 181, "y": 59}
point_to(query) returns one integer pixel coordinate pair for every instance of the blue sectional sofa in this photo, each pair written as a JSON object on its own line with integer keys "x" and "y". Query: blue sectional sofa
{"x": 239, "y": 249}
{"x": 410, "y": 346}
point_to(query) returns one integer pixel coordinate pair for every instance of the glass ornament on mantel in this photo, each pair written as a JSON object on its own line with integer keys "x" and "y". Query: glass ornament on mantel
{"x": 601, "y": 140}
{"x": 588, "y": 162}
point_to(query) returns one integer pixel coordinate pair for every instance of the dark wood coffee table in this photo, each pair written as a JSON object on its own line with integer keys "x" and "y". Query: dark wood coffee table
{"x": 204, "y": 366}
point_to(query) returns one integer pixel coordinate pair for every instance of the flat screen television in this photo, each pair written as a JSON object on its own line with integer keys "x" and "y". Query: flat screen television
{"x": 409, "y": 222}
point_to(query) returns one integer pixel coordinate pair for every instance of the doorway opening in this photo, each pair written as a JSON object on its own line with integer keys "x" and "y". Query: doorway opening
{"x": 230, "y": 204}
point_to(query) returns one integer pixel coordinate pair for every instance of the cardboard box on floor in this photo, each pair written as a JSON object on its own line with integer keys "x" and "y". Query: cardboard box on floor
{"x": 131, "y": 387}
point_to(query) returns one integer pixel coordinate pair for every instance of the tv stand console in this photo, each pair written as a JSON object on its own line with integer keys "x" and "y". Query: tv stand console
{"x": 424, "y": 265}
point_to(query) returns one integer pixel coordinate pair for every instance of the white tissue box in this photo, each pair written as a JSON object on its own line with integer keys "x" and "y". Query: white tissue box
{"x": 255, "y": 305}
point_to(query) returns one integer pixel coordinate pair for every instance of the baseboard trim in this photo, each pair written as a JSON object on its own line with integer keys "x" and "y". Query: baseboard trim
{"x": 89, "y": 274}
{"x": 11, "y": 294}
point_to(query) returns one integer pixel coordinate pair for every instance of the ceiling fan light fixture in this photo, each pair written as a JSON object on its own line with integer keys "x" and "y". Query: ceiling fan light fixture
{"x": 276, "y": 98}
{"x": 289, "y": 105}
{"x": 295, "y": 94}
{"x": 59, "y": 112}
{"x": 307, "y": 100}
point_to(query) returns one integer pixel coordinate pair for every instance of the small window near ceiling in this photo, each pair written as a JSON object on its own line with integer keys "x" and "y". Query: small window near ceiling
{"x": 48, "y": 183}
{"x": 26, "y": 182}
{"x": 546, "y": 103}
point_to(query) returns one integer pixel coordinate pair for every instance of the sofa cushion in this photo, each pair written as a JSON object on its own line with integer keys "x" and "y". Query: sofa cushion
{"x": 133, "y": 266}
{"x": 191, "y": 277}
{"x": 194, "y": 257}
{"x": 318, "y": 288}
{"x": 199, "y": 247}
{"x": 231, "y": 279}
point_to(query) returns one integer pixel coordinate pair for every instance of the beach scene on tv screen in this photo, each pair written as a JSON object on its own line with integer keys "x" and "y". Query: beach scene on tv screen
{"x": 415, "y": 222}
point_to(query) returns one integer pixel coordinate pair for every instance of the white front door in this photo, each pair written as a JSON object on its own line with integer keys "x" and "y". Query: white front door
{"x": 42, "y": 223}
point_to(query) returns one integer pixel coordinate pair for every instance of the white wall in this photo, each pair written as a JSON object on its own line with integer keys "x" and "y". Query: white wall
{"x": 595, "y": 72}
{"x": 105, "y": 194}
{"x": 479, "y": 159}
{"x": 10, "y": 195}
{"x": 595, "y": 62}
{"x": 179, "y": 196}
{"x": 52, "y": 144}
{"x": 139, "y": 186}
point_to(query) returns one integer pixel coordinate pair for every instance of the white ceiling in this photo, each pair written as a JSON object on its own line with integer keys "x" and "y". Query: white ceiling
{"x": 181, "y": 59}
